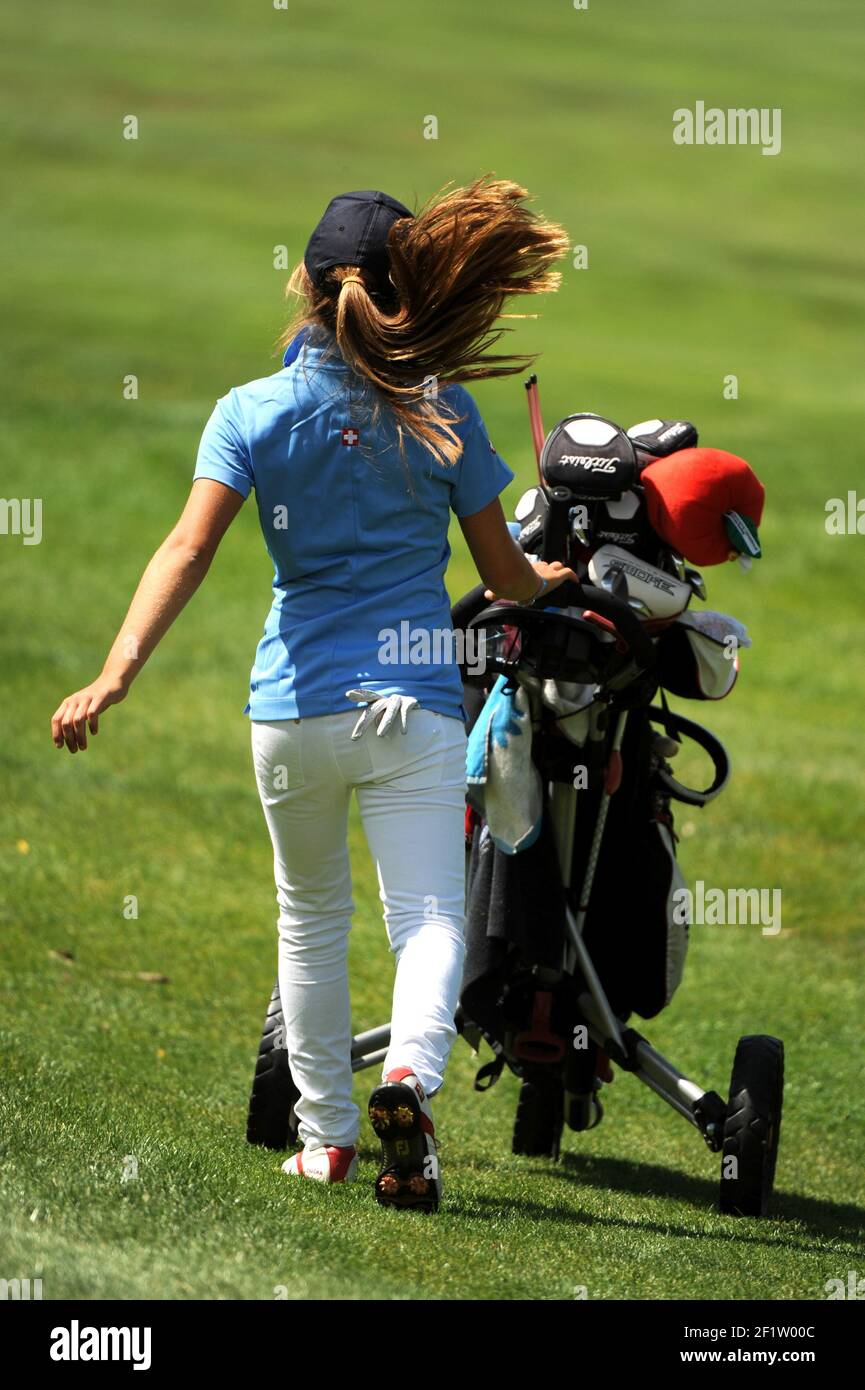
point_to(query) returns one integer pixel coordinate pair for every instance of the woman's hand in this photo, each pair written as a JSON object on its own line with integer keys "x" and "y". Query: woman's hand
{"x": 70, "y": 721}
{"x": 555, "y": 574}
{"x": 170, "y": 580}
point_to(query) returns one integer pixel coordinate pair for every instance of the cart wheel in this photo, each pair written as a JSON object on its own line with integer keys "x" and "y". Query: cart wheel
{"x": 752, "y": 1126}
{"x": 540, "y": 1115}
{"x": 272, "y": 1120}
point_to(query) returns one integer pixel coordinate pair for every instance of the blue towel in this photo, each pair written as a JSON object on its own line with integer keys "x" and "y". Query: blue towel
{"x": 503, "y": 783}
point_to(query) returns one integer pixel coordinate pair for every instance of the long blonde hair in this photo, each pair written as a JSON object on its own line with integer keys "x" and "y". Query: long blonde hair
{"x": 453, "y": 266}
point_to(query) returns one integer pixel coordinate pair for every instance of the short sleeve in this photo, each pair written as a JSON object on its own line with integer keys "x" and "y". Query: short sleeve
{"x": 483, "y": 472}
{"x": 223, "y": 454}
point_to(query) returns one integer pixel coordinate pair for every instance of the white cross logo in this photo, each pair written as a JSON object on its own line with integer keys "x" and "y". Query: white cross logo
{"x": 350, "y": 437}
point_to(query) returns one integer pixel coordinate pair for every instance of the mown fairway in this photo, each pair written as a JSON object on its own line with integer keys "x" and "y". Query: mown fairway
{"x": 155, "y": 258}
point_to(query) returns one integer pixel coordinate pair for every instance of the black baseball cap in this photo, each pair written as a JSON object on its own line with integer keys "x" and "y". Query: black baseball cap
{"x": 354, "y": 231}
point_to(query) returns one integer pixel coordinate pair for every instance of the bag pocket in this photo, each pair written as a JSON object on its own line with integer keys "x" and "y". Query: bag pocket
{"x": 636, "y": 932}
{"x": 661, "y": 939}
{"x": 677, "y": 920}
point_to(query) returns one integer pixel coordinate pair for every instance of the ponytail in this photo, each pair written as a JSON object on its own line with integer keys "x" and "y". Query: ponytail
{"x": 453, "y": 266}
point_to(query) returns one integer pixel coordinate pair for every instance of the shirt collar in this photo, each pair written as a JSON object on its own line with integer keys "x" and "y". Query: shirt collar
{"x": 317, "y": 348}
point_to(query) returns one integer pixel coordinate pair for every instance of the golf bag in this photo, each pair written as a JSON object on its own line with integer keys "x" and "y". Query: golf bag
{"x": 522, "y": 983}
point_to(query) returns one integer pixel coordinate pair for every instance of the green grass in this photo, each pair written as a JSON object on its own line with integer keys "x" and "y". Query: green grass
{"x": 155, "y": 258}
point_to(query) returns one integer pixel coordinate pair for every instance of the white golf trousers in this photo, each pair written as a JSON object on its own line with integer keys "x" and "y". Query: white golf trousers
{"x": 411, "y": 793}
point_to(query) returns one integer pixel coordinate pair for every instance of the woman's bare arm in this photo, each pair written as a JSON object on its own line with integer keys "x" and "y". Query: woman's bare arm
{"x": 500, "y": 562}
{"x": 168, "y": 583}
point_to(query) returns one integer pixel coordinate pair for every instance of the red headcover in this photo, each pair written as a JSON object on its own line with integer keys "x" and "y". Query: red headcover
{"x": 687, "y": 494}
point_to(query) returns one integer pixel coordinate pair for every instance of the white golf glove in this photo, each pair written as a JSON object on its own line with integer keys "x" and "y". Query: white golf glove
{"x": 386, "y": 709}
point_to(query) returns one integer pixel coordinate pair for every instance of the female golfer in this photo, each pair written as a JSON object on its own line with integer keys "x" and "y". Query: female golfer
{"x": 358, "y": 449}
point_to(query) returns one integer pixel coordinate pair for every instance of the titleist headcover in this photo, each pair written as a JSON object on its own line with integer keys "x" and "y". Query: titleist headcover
{"x": 590, "y": 456}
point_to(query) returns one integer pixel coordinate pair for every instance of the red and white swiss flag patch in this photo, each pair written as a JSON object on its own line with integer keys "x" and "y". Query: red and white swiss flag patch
{"x": 350, "y": 437}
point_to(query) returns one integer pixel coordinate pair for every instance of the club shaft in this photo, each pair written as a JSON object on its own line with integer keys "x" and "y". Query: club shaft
{"x": 598, "y": 836}
{"x": 535, "y": 419}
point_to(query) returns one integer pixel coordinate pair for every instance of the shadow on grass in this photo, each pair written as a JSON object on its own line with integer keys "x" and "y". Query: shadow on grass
{"x": 746, "y": 1232}
{"x": 835, "y": 1221}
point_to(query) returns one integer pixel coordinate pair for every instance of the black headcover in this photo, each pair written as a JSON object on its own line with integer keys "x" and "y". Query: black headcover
{"x": 658, "y": 438}
{"x": 531, "y": 511}
{"x": 590, "y": 456}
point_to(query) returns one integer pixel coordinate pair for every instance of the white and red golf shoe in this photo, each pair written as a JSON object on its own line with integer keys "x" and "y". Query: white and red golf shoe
{"x": 325, "y": 1163}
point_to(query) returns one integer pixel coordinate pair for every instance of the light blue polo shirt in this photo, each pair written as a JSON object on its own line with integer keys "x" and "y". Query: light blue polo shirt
{"x": 357, "y": 535}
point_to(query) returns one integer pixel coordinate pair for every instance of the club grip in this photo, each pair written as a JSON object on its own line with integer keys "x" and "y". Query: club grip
{"x": 468, "y": 606}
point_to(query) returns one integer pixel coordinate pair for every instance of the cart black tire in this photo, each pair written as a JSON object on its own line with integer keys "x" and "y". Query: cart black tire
{"x": 752, "y": 1126}
{"x": 272, "y": 1122}
{"x": 540, "y": 1115}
